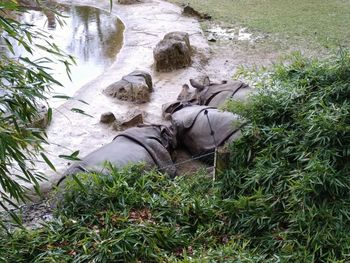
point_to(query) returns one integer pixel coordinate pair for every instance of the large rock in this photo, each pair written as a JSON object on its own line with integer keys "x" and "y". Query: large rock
{"x": 173, "y": 52}
{"x": 136, "y": 86}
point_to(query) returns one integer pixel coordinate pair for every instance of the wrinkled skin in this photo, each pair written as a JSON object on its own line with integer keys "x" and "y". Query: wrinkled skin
{"x": 215, "y": 95}
{"x": 201, "y": 128}
{"x": 207, "y": 94}
{"x": 150, "y": 144}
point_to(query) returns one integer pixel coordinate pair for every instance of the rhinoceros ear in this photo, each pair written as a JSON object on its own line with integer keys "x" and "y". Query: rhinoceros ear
{"x": 185, "y": 87}
{"x": 184, "y": 94}
{"x": 196, "y": 85}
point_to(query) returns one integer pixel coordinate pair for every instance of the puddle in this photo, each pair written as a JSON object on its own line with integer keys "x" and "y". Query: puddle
{"x": 92, "y": 36}
{"x": 217, "y": 32}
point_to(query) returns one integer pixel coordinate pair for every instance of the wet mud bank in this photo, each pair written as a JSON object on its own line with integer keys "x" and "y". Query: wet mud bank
{"x": 146, "y": 23}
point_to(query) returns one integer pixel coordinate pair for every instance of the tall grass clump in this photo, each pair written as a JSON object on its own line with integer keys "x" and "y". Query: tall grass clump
{"x": 288, "y": 186}
{"x": 132, "y": 216}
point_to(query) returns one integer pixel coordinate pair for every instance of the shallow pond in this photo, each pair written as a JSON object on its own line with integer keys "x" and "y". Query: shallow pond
{"x": 92, "y": 36}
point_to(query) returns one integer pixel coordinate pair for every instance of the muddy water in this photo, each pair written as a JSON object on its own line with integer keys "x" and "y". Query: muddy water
{"x": 92, "y": 36}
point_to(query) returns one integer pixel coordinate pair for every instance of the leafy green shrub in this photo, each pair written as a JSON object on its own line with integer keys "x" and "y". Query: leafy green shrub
{"x": 288, "y": 185}
{"x": 133, "y": 216}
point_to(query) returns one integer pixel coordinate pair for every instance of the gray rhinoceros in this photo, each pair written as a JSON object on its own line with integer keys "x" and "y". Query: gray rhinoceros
{"x": 207, "y": 94}
{"x": 200, "y": 129}
{"x": 150, "y": 144}
{"x": 214, "y": 94}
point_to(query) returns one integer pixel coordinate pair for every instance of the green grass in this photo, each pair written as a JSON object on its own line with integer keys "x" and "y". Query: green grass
{"x": 305, "y": 24}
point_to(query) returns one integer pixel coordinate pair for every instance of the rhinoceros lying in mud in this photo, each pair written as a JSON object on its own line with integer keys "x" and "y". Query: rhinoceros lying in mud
{"x": 214, "y": 94}
{"x": 208, "y": 94}
{"x": 201, "y": 128}
{"x": 151, "y": 144}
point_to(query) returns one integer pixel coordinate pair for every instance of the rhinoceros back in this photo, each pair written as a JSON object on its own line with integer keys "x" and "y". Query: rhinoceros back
{"x": 201, "y": 129}
{"x": 120, "y": 152}
{"x": 148, "y": 144}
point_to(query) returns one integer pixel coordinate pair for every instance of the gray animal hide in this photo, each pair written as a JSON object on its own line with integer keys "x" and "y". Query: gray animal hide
{"x": 216, "y": 94}
{"x": 201, "y": 128}
{"x": 151, "y": 144}
{"x": 207, "y": 94}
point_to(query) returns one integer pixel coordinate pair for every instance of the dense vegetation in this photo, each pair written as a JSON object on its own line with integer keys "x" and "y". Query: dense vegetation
{"x": 130, "y": 216}
{"x": 289, "y": 177}
{"x": 285, "y": 197}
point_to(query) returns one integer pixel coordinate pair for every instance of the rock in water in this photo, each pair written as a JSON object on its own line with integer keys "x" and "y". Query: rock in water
{"x": 173, "y": 52}
{"x": 136, "y": 86}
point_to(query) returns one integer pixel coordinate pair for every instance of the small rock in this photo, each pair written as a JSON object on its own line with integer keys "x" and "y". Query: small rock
{"x": 133, "y": 121}
{"x": 41, "y": 121}
{"x": 117, "y": 125}
{"x": 107, "y": 117}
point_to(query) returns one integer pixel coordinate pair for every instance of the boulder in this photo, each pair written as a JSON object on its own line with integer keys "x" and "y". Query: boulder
{"x": 136, "y": 87}
{"x": 173, "y": 52}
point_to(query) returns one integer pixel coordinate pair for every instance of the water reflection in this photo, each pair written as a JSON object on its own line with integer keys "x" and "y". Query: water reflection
{"x": 92, "y": 36}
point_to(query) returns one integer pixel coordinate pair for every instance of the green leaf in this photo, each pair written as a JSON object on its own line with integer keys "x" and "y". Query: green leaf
{"x": 49, "y": 115}
{"x": 48, "y": 161}
{"x": 80, "y": 111}
{"x": 72, "y": 157}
